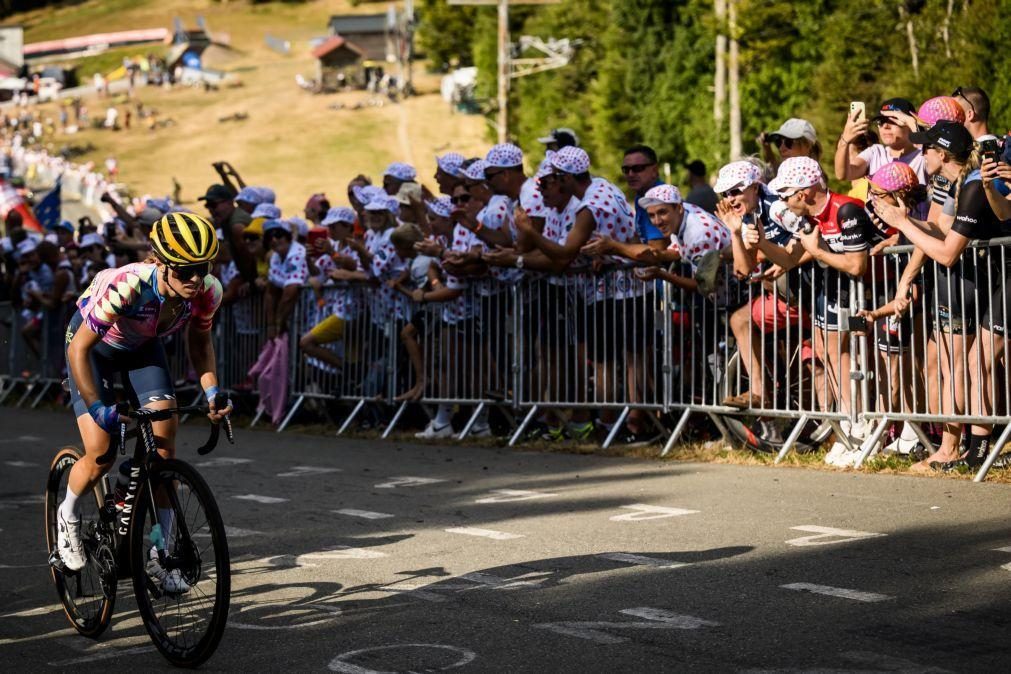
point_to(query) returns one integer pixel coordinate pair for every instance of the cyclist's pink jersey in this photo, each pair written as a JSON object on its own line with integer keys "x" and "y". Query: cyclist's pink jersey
{"x": 122, "y": 305}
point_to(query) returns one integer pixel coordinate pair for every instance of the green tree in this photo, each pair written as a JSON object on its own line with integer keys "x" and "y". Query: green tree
{"x": 445, "y": 34}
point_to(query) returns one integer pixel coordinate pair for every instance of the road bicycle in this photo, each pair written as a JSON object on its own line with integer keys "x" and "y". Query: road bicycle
{"x": 125, "y": 540}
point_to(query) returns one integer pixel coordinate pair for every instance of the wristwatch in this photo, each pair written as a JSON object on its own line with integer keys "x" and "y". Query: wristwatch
{"x": 519, "y": 262}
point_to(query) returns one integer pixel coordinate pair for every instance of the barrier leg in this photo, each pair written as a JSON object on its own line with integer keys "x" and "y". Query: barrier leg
{"x": 722, "y": 427}
{"x": 994, "y": 453}
{"x": 38, "y": 398}
{"x": 618, "y": 425}
{"x": 256, "y": 419}
{"x": 792, "y": 438}
{"x": 840, "y": 436}
{"x": 921, "y": 434}
{"x": 678, "y": 430}
{"x": 871, "y": 443}
{"x": 28, "y": 391}
{"x": 393, "y": 422}
{"x": 523, "y": 425}
{"x": 6, "y": 390}
{"x": 291, "y": 413}
{"x": 470, "y": 422}
{"x": 351, "y": 417}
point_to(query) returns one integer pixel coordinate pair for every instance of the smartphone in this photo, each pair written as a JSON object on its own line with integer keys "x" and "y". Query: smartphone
{"x": 989, "y": 148}
{"x": 316, "y": 235}
{"x": 858, "y": 111}
{"x": 858, "y": 324}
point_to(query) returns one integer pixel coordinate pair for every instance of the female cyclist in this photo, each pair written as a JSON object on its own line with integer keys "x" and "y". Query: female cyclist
{"x": 117, "y": 328}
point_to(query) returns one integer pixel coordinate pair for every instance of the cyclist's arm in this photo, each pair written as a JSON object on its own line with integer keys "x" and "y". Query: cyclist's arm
{"x": 203, "y": 357}
{"x": 78, "y": 359}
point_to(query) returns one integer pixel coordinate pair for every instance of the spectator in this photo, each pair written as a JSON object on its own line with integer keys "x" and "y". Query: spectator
{"x": 220, "y": 202}
{"x": 448, "y": 171}
{"x": 894, "y": 146}
{"x": 316, "y": 207}
{"x": 288, "y": 273}
{"x": 642, "y": 173}
{"x": 559, "y": 138}
{"x": 795, "y": 138}
{"x": 700, "y": 193}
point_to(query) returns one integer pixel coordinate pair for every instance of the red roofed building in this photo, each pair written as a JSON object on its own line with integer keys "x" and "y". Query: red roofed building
{"x": 340, "y": 64}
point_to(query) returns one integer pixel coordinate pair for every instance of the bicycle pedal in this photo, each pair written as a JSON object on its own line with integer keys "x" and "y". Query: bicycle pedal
{"x": 56, "y": 562}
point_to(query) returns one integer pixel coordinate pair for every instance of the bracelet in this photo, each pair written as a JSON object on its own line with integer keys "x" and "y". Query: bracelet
{"x": 210, "y": 392}
{"x": 480, "y": 226}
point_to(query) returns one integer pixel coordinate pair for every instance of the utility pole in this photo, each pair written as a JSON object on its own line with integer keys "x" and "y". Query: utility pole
{"x": 735, "y": 92}
{"x": 504, "y": 67}
{"x": 720, "y": 82}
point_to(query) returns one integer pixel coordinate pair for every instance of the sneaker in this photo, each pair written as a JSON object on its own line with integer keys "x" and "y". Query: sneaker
{"x": 901, "y": 446}
{"x": 579, "y": 432}
{"x": 431, "y": 432}
{"x": 534, "y": 431}
{"x": 849, "y": 458}
{"x": 821, "y": 433}
{"x": 480, "y": 431}
{"x": 836, "y": 453}
{"x": 743, "y": 401}
{"x": 641, "y": 439}
{"x": 171, "y": 582}
{"x": 69, "y": 544}
{"x": 554, "y": 433}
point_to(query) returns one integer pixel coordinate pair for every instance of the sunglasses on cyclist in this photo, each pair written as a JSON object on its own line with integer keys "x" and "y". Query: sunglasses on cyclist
{"x": 186, "y": 272}
{"x": 462, "y": 199}
{"x": 634, "y": 168}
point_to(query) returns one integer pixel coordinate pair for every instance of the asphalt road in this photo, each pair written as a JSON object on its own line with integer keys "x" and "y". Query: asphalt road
{"x": 376, "y": 556}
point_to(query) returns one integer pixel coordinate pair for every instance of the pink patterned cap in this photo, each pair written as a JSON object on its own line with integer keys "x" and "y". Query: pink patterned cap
{"x": 572, "y": 160}
{"x": 941, "y": 108}
{"x": 739, "y": 174}
{"x": 476, "y": 170}
{"x": 545, "y": 167}
{"x": 401, "y": 171}
{"x": 443, "y": 206}
{"x": 450, "y": 163}
{"x": 895, "y": 176}
{"x": 797, "y": 173}
{"x": 504, "y": 155}
{"x": 661, "y": 194}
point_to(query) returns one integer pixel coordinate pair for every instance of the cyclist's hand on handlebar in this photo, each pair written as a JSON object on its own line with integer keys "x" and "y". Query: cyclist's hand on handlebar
{"x": 107, "y": 417}
{"x": 216, "y": 415}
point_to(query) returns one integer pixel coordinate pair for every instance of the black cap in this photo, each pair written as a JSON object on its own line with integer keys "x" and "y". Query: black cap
{"x": 948, "y": 136}
{"x": 217, "y": 193}
{"x": 894, "y": 105}
{"x": 697, "y": 168}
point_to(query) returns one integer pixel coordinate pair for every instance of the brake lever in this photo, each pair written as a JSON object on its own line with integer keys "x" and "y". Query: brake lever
{"x": 220, "y": 402}
{"x": 120, "y": 439}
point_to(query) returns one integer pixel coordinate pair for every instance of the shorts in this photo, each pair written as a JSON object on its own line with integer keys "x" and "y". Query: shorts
{"x": 828, "y": 315}
{"x": 144, "y": 372}
{"x": 893, "y": 335}
{"x": 771, "y": 313}
{"x": 552, "y": 313}
{"x": 330, "y": 329}
{"x": 621, "y": 325}
{"x": 958, "y": 306}
{"x": 419, "y": 321}
{"x": 995, "y": 316}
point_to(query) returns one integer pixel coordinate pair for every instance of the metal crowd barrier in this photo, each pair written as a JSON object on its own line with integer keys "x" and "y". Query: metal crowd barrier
{"x": 25, "y": 373}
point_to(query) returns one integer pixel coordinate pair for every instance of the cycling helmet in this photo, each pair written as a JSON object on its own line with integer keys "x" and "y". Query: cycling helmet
{"x": 184, "y": 238}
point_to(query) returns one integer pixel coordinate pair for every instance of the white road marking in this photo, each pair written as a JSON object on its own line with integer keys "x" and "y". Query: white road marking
{"x": 261, "y": 499}
{"x": 831, "y": 534}
{"x": 1007, "y": 549}
{"x": 32, "y": 612}
{"x": 22, "y": 438}
{"x": 21, "y": 464}
{"x": 338, "y": 552}
{"x": 844, "y": 593}
{"x": 641, "y": 560}
{"x": 299, "y": 471}
{"x": 221, "y": 461}
{"x": 407, "y": 481}
{"x": 649, "y": 512}
{"x": 105, "y": 654}
{"x": 1006, "y": 567}
{"x": 498, "y": 583}
{"x": 330, "y": 613}
{"x": 486, "y": 533}
{"x": 341, "y": 664}
{"x": 366, "y": 514}
{"x": 658, "y": 619}
{"x": 509, "y": 495}
{"x": 231, "y": 532}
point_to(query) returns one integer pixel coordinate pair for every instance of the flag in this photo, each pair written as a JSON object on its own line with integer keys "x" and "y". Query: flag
{"x": 47, "y": 211}
{"x": 10, "y": 200}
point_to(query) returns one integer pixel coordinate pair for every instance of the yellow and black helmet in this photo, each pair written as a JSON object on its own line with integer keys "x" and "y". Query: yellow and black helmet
{"x": 184, "y": 238}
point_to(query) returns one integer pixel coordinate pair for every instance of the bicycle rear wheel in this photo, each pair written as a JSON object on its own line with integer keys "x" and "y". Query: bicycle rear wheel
{"x": 186, "y": 625}
{"x": 89, "y": 595}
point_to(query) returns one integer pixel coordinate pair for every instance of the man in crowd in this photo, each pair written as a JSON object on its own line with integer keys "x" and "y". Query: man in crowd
{"x": 700, "y": 193}
{"x": 220, "y": 203}
{"x": 559, "y": 138}
{"x": 641, "y": 169}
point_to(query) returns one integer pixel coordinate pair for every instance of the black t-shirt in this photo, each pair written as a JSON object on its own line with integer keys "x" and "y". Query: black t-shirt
{"x": 974, "y": 219}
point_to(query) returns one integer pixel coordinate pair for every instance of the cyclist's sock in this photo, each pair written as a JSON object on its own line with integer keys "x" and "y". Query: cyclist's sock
{"x": 69, "y": 509}
{"x": 166, "y": 517}
{"x": 444, "y": 416}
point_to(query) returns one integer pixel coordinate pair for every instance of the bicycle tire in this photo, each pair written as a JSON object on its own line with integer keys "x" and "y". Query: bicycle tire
{"x": 179, "y": 651}
{"x": 94, "y": 623}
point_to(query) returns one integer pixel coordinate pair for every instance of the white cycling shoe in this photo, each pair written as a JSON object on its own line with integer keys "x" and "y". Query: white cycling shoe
{"x": 171, "y": 582}
{"x": 69, "y": 544}
{"x": 431, "y": 432}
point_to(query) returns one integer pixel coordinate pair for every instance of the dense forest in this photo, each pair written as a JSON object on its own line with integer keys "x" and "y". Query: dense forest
{"x": 644, "y": 70}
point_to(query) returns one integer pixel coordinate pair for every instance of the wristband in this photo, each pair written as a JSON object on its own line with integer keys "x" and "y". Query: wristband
{"x": 210, "y": 392}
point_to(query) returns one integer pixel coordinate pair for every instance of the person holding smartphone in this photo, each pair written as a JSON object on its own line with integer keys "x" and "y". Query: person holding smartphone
{"x": 850, "y": 164}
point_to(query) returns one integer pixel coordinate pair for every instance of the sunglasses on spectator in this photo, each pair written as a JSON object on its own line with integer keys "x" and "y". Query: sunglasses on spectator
{"x": 878, "y": 193}
{"x": 783, "y": 141}
{"x": 462, "y": 199}
{"x": 957, "y": 93}
{"x": 186, "y": 272}
{"x": 791, "y": 195}
{"x": 635, "y": 168}
{"x": 733, "y": 192}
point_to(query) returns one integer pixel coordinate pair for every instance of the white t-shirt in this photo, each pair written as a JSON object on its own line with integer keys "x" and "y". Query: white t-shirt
{"x": 700, "y": 232}
{"x": 292, "y": 270}
{"x": 878, "y": 155}
{"x": 613, "y": 217}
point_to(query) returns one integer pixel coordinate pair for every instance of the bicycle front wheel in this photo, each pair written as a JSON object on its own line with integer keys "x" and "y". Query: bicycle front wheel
{"x": 180, "y": 565}
{"x": 89, "y": 595}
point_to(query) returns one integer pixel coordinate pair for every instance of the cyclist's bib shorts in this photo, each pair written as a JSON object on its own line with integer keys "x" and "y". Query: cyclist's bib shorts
{"x": 143, "y": 371}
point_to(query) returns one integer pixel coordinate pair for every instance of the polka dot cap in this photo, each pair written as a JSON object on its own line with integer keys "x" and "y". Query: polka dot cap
{"x": 796, "y": 173}
{"x": 266, "y": 210}
{"x": 367, "y": 193}
{"x": 661, "y": 194}
{"x": 339, "y": 214}
{"x": 400, "y": 171}
{"x": 442, "y": 206}
{"x": 504, "y": 155}
{"x": 941, "y": 108}
{"x": 384, "y": 203}
{"x": 894, "y": 176}
{"x": 451, "y": 163}
{"x": 738, "y": 174}
{"x": 476, "y": 170}
{"x": 572, "y": 160}
{"x": 545, "y": 166}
